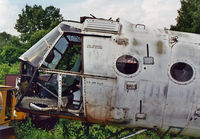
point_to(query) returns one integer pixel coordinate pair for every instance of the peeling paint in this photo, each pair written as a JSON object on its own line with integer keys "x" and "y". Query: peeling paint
{"x": 122, "y": 41}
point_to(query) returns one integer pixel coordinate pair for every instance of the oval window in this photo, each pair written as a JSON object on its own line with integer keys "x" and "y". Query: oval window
{"x": 181, "y": 72}
{"x": 127, "y": 64}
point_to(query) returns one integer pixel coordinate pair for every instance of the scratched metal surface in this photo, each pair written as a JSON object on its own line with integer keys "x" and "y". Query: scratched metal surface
{"x": 167, "y": 104}
{"x": 150, "y": 97}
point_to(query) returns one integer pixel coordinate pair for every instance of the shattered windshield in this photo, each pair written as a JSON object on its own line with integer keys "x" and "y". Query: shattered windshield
{"x": 35, "y": 55}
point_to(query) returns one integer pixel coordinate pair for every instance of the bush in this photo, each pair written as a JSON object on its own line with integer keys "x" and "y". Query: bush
{"x": 66, "y": 129}
{"x": 8, "y": 69}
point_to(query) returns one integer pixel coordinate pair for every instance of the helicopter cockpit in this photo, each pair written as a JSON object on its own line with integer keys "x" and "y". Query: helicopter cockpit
{"x": 51, "y": 73}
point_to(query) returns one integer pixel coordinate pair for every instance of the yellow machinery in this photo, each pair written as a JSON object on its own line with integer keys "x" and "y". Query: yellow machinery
{"x": 7, "y": 111}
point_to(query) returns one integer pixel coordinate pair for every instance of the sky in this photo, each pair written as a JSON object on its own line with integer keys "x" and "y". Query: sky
{"x": 152, "y": 13}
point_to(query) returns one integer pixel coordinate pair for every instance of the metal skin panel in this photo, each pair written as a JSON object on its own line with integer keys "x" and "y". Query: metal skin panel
{"x": 150, "y": 97}
{"x": 193, "y": 120}
{"x": 158, "y": 101}
{"x": 153, "y": 102}
{"x": 98, "y": 56}
{"x": 100, "y": 101}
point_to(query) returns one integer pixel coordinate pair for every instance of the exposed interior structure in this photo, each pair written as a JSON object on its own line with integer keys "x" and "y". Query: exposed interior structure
{"x": 50, "y": 72}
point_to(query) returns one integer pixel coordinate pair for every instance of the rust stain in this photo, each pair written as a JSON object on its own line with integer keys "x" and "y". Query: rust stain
{"x": 122, "y": 41}
{"x": 166, "y": 31}
{"x": 105, "y": 114}
{"x": 96, "y": 113}
{"x": 159, "y": 47}
{"x": 91, "y": 119}
{"x": 52, "y": 114}
{"x": 135, "y": 42}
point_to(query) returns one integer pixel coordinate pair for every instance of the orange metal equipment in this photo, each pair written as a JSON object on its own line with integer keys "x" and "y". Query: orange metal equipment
{"x": 7, "y": 106}
{"x": 7, "y": 111}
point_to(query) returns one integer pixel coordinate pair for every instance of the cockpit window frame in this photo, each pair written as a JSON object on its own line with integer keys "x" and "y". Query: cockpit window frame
{"x": 36, "y": 60}
{"x": 68, "y": 47}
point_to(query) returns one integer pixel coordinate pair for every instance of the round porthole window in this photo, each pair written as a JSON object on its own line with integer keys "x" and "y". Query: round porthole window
{"x": 181, "y": 72}
{"x": 127, "y": 64}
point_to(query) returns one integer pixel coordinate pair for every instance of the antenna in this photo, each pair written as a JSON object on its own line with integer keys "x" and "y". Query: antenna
{"x": 92, "y": 16}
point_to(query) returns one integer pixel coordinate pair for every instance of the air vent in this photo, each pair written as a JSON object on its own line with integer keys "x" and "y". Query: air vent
{"x": 104, "y": 26}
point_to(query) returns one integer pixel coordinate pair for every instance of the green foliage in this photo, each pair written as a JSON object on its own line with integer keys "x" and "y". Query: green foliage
{"x": 66, "y": 129}
{"x": 36, "y": 18}
{"x": 10, "y": 48}
{"x": 6, "y": 40}
{"x": 70, "y": 58}
{"x": 26, "y": 130}
{"x": 4, "y": 69}
{"x": 8, "y": 69}
{"x": 4, "y": 37}
{"x": 10, "y": 54}
{"x": 188, "y": 19}
{"x": 71, "y": 129}
{"x": 36, "y": 36}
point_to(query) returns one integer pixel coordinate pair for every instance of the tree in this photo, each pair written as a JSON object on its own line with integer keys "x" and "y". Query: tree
{"x": 10, "y": 54}
{"x": 4, "y": 38}
{"x": 8, "y": 69}
{"x": 36, "y": 36}
{"x": 188, "y": 19}
{"x": 36, "y": 18}
{"x": 10, "y": 48}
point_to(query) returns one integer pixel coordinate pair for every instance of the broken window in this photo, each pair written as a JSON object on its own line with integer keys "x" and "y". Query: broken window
{"x": 181, "y": 72}
{"x": 71, "y": 60}
{"x": 127, "y": 64}
{"x": 50, "y": 74}
{"x": 54, "y": 86}
{"x": 66, "y": 55}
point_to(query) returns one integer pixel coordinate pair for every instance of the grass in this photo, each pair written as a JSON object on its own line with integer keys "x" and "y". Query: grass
{"x": 66, "y": 129}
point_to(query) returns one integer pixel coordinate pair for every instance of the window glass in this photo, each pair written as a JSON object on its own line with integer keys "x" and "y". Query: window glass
{"x": 62, "y": 44}
{"x": 72, "y": 59}
{"x": 73, "y": 38}
{"x": 181, "y": 72}
{"x": 52, "y": 59}
{"x": 66, "y": 55}
{"x": 127, "y": 64}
